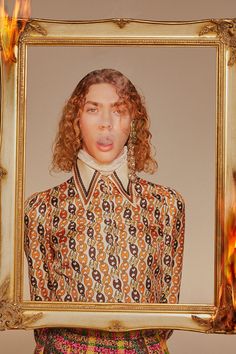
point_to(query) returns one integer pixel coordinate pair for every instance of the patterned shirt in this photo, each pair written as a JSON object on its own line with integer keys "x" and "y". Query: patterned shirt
{"x": 103, "y": 238}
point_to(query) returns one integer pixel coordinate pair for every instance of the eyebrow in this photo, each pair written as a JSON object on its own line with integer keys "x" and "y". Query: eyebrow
{"x": 92, "y": 102}
{"x": 117, "y": 103}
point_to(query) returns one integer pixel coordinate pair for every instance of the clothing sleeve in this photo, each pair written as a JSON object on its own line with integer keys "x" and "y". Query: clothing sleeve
{"x": 172, "y": 249}
{"x": 172, "y": 252}
{"x": 38, "y": 250}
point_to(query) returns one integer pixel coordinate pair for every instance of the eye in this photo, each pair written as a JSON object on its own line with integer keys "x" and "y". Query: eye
{"x": 92, "y": 109}
{"x": 121, "y": 110}
{"x": 117, "y": 112}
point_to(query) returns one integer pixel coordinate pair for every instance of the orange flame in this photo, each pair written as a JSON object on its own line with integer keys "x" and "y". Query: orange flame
{"x": 230, "y": 259}
{"x": 224, "y": 318}
{"x": 12, "y": 27}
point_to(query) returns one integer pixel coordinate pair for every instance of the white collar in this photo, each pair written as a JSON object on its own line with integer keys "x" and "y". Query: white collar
{"x": 86, "y": 179}
{"x": 105, "y": 168}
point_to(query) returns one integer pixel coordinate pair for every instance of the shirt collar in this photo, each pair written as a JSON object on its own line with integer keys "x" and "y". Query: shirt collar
{"x": 86, "y": 179}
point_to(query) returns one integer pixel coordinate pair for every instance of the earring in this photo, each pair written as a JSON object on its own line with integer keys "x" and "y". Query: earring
{"x": 130, "y": 153}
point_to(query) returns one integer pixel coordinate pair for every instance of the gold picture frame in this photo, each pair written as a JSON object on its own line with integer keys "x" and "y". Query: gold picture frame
{"x": 14, "y": 310}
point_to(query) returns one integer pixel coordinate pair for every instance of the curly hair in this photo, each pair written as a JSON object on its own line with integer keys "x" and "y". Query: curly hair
{"x": 68, "y": 140}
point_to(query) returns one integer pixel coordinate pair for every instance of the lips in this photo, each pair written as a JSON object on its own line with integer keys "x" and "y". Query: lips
{"x": 105, "y": 140}
{"x": 105, "y": 143}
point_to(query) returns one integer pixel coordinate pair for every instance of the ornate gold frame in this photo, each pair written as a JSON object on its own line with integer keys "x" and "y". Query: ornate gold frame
{"x": 16, "y": 313}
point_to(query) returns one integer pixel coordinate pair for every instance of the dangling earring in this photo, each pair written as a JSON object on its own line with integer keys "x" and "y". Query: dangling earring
{"x": 78, "y": 137}
{"x": 131, "y": 156}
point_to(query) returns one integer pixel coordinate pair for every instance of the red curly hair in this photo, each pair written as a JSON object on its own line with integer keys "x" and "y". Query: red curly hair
{"x": 68, "y": 139}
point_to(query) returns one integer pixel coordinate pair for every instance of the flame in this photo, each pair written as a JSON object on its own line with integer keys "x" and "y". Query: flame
{"x": 12, "y": 27}
{"x": 224, "y": 318}
{"x": 230, "y": 254}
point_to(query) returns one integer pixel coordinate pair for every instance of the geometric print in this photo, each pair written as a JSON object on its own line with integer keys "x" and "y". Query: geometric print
{"x": 105, "y": 244}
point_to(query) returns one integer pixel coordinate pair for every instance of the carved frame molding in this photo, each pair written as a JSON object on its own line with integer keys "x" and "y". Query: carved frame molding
{"x": 16, "y": 313}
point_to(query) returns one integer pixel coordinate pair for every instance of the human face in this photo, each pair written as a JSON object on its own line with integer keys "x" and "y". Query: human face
{"x": 104, "y": 123}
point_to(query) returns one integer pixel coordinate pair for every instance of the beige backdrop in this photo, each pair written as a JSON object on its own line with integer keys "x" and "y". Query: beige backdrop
{"x": 178, "y": 85}
{"x": 182, "y": 116}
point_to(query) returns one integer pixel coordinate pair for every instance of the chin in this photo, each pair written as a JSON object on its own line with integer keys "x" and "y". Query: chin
{"x": 105, "y": 158}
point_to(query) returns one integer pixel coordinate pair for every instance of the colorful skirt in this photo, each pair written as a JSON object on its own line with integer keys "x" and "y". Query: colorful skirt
{"x": 81, "y": 341}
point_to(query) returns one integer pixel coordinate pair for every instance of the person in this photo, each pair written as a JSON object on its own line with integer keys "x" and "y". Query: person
{"x": 104, "y": 235}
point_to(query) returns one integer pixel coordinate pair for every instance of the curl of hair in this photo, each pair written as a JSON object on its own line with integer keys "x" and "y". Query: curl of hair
{"x": 68, "y": 140}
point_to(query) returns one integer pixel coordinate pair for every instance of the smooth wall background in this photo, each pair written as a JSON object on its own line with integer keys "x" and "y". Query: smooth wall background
{"x": 180, "y": 99}
{"x": 177, "y": 67}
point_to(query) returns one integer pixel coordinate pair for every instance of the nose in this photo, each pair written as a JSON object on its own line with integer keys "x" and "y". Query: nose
{"x": 106, "y": 120}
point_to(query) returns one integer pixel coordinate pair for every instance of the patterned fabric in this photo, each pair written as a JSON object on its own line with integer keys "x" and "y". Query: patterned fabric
{"x": 99, "y": 239}
{"x": 106, "y": 244}
{"x": 63, "y": 341}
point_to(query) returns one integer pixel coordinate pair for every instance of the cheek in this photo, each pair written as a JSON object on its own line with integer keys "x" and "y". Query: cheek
{"x": 125, "y": 126}
{"x": 84, "y": 125}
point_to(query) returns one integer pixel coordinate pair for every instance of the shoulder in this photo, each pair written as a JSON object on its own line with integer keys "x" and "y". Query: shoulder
{"x": 48, "y": 197}
{"x": 161, "y": 193}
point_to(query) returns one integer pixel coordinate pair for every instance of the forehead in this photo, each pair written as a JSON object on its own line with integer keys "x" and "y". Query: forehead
{"x": 102, "y": 93}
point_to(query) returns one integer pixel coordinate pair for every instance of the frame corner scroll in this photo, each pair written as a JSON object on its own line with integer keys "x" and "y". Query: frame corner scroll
{"x": 226, "y": 31}
{"x": 224, "y": 318}
{"x": 32, "y": 26}
{"x": 11, "y": 314}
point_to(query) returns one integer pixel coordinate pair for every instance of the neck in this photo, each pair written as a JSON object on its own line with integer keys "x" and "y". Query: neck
{"x": 104, "y": 168}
